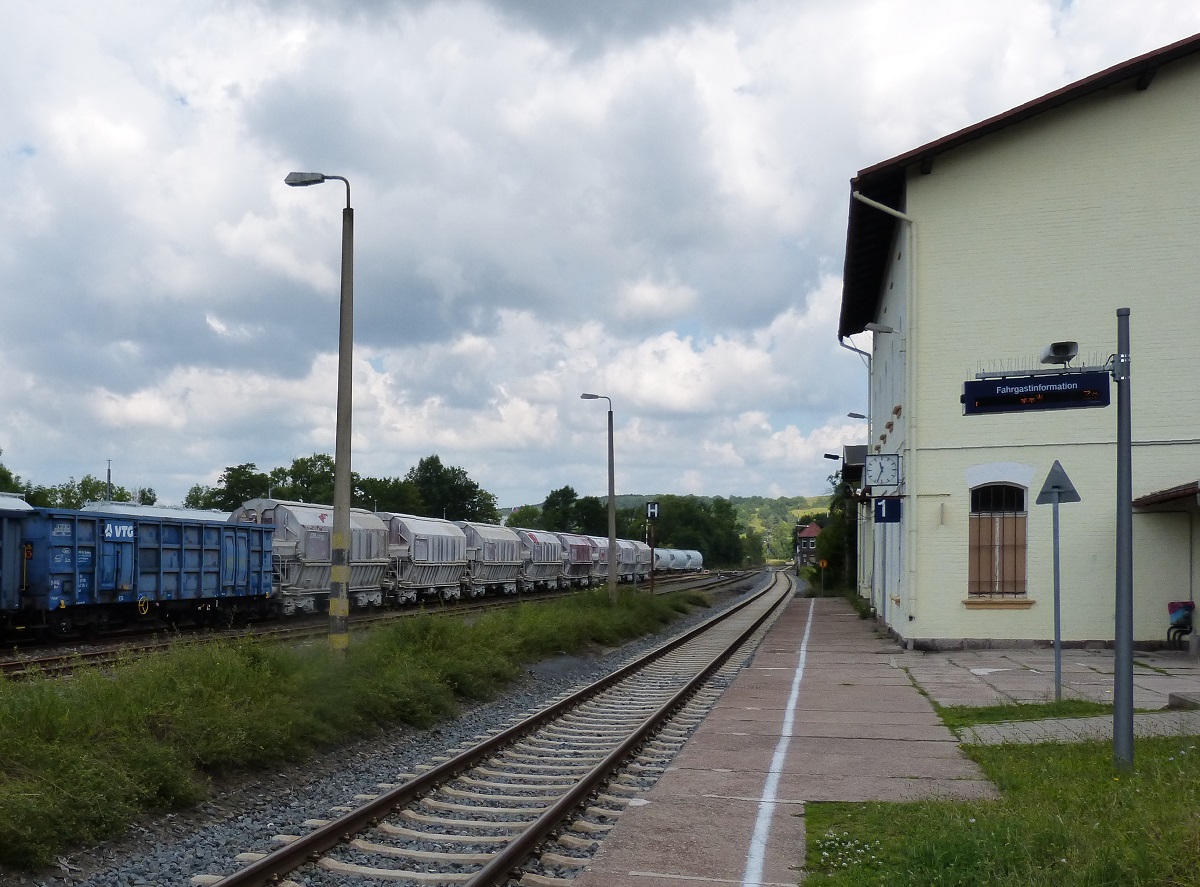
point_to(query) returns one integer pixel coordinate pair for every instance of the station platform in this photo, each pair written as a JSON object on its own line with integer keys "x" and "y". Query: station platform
{"x": 829, "y": 710}
{"x": 824, "y": 712}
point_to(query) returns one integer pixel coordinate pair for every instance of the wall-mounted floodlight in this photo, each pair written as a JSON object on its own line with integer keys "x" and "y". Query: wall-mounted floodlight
{"x": 1060, "y": 352}
{"x": 879, "y": 328}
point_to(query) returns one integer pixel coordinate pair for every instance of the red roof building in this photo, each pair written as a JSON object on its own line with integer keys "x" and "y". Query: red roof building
{"x": 805, "y": 543}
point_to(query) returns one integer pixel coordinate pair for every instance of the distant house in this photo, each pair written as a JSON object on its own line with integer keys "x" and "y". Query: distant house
{"x": 965, "y": 258}
{"x": 804, "y": 539}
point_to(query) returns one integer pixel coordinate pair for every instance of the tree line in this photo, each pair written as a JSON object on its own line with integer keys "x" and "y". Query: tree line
{"x": 71, "y": 493}
{"x": 429, "y": 489}
{"x": 711, "y": 525}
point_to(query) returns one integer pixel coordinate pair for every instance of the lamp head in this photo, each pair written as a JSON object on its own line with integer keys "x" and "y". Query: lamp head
{"x": 589, "y": 397}
{"x": 833, "y": 456}
{"x": 879, "y": 328}
{"x": 855, "y": 416}
{"x": 300, "y": 179}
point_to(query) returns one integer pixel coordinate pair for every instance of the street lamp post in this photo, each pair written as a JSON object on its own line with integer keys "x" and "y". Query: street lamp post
{"x": 339, "y": 573}
{"x": 612, "y": 502}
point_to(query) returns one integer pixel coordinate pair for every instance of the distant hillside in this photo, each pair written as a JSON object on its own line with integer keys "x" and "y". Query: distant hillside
{"x": 761, "y": 514}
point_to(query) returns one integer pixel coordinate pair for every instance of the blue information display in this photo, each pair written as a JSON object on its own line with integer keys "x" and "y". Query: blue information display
{"x": 1020, "y": 394}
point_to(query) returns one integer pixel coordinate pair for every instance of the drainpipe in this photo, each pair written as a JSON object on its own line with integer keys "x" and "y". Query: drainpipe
{"x": 910, "y": 396}
{"x": 879, "y": 611}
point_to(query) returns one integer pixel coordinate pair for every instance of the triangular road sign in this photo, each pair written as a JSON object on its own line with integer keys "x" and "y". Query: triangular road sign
{"x": 1057, "y": 480}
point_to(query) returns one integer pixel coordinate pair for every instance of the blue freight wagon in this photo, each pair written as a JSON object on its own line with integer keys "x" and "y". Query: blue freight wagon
{"x": 112, "y": 563}
{"x": 13, "y": 511}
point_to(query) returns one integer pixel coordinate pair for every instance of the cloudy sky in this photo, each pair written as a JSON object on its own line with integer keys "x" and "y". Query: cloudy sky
{"x": 641, "y": 198}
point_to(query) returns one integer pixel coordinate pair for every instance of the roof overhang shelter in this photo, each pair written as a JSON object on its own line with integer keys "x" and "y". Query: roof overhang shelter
{"x": 1182, "y": 497}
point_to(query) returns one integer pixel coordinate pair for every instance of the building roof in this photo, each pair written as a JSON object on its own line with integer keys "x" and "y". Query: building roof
{"x": 870, "y": 231}
{"x": 1171, "y": 496}
{"x": 811, "y": 531}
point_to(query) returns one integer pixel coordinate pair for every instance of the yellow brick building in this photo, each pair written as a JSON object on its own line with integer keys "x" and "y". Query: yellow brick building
{"x": 969, "y": 255}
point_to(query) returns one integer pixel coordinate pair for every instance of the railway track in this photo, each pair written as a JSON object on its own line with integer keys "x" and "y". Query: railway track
{"x": 54, "y": 662}
{"x": 528, "y": 804}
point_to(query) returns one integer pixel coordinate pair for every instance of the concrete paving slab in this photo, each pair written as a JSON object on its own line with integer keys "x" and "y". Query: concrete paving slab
{"x": 742, "y": 751}
{"x": 796, "y": 789}
{"x": 847, "y": 718}
{"x": 693, "y": 842}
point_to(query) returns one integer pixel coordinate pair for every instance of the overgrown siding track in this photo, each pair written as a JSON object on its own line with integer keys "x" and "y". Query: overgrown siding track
{"x": 64, "y": 658}
{"x": 528, "y": 804}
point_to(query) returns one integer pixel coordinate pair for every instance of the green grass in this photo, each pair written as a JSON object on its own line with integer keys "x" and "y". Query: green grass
{"x": 956, "y": 717}
{"x": 1065, "y": 817}
{"x": 82, "y": 757}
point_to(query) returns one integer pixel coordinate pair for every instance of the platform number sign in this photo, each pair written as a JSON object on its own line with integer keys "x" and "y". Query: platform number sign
{"x": 651, "y": 511}
{"x": 887, "y": 511}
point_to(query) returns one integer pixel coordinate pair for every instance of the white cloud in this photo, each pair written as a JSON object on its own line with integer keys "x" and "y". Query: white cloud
{"x": 647, "y": 298}
{"x": 547, "y": 201}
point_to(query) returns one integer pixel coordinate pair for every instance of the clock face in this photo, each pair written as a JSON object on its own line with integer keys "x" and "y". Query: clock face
{"x": 883, "y": 470}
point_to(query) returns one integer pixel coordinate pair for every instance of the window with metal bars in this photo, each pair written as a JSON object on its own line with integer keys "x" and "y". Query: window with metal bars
{"x": 997, "y": 540}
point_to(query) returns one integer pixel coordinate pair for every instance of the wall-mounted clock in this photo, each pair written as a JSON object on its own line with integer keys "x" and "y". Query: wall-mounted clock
{"x": 882, "y": 470}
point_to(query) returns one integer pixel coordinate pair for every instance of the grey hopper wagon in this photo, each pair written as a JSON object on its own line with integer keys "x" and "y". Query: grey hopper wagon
{"x": 427, "y": 557}
{"x": 543, "y": 559}
{"x": 599, "y": 559}
{"x": 627, "y": 555}
{"x": 577, "y": 560}
{"x": 643, "y": 560}
{"x": 303, "y": 550}
{"x": 494, "y": 558}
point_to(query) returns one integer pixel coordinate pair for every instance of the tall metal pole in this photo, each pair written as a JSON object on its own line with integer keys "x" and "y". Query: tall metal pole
{"x": 612, "y": 513}
{"x": 651, "y": 558}
{"x": 1123, "y": 671}
{"x": 339, "y": 572}
{"x": 1056, "y": 490}
{"x": 1057, "y": 606}
{"x": 612, "y": 501}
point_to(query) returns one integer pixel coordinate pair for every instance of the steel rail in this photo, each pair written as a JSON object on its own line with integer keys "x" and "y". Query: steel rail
{"x": 506, "y": 864}
{"x": 309, "y": 847}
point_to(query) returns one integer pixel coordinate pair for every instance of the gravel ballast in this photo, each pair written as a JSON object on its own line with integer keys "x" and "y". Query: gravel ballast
{"x": 170, "y": 849}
